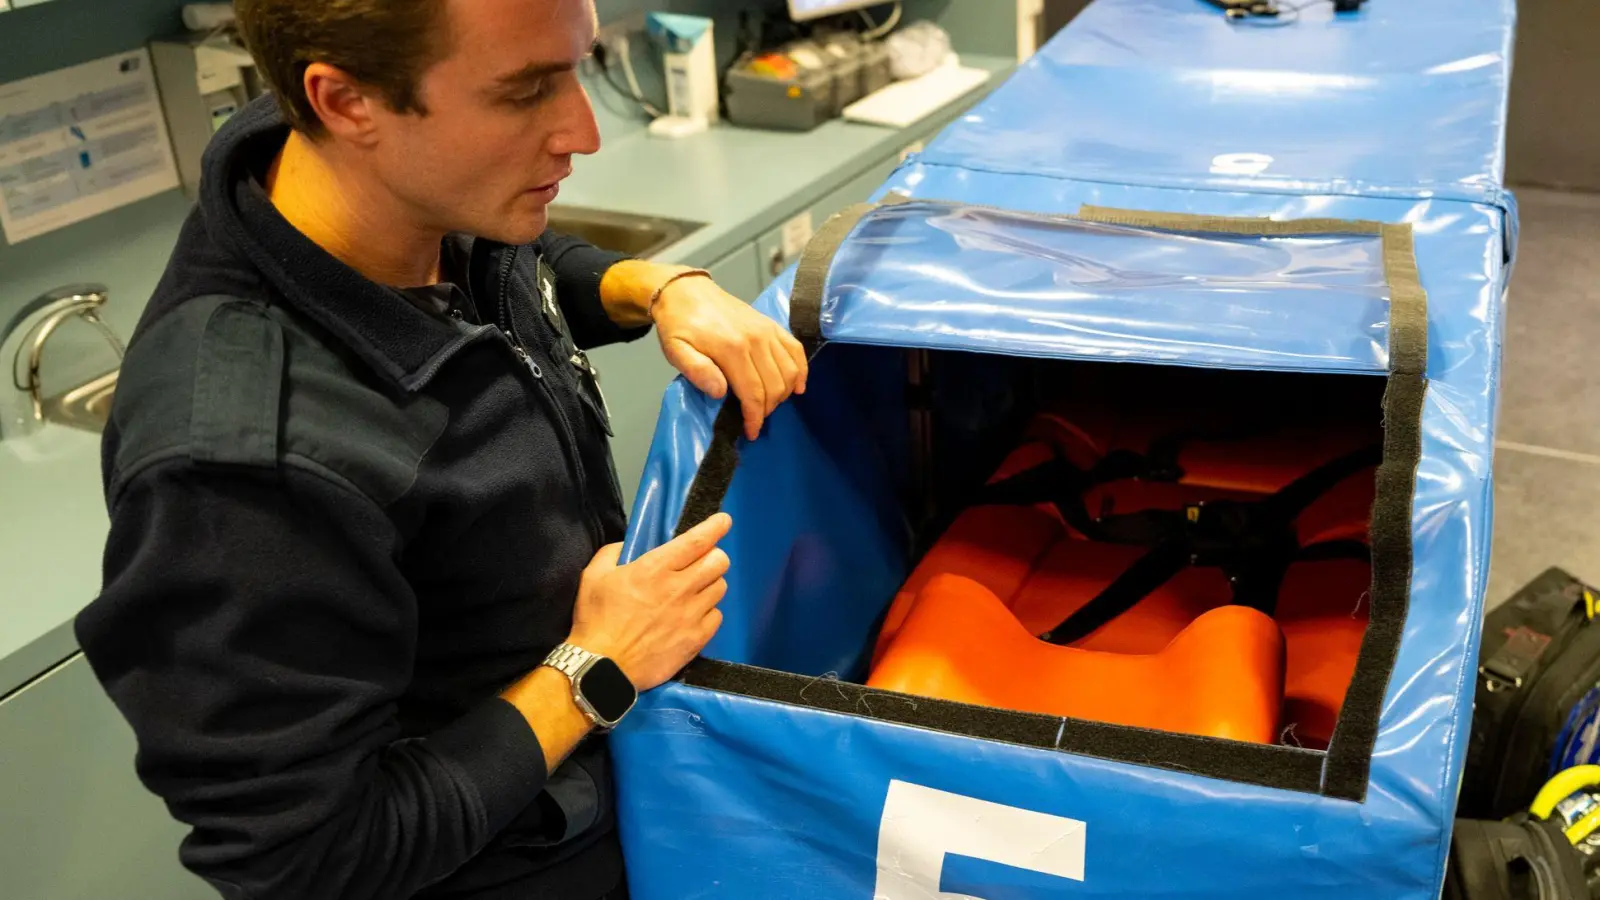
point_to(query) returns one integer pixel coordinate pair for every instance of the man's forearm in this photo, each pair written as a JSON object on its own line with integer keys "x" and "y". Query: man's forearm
{"x": 628, "y": 287}
{"x": 544, "y": 697}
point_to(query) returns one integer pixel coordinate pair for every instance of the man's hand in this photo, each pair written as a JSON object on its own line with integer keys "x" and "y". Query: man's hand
{"x": 654, "y": 615}
{"x": 717, "y": 340}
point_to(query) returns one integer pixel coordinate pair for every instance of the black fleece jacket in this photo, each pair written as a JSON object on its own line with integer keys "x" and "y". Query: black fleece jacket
{"x": 340, "y": 524}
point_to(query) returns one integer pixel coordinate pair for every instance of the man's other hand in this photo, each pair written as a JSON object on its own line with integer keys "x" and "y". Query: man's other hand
{"x": 719, "y": 341}
{"x": 653, "y": 616}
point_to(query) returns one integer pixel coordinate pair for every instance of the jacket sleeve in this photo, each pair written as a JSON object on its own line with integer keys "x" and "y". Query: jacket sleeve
{"x": 255, "y": 630}
{"x": 579, "y": 268}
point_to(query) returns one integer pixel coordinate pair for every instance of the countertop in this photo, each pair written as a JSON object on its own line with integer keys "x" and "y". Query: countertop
{"x": 739, "y": 182}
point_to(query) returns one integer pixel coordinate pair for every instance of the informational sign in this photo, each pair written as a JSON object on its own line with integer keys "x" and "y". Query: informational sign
{"x": 797, "y": 233}
{"x": 81, "y": 141}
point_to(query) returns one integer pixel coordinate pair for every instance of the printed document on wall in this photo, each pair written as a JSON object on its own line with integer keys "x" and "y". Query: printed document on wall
{"x": 81, "y": 141}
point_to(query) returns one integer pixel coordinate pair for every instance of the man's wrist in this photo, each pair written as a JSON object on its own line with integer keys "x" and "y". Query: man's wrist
{"x": 631, "y": 289}
{"x": 546, "y": 700}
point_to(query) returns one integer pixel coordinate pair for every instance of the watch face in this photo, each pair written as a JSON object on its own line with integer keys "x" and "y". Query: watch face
{"x": 608, "y": 690}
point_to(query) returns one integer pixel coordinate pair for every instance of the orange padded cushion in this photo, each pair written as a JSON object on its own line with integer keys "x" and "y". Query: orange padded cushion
{"x": 1323, "y": 609}
{"x": 995, "y": 546}
{"x": 1220, "y": 677}
{"x": 1341, "y": 514}
{"x": 1268, "y": 463}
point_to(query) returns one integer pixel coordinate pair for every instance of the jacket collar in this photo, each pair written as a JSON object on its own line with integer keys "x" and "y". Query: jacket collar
{"x": 400, "y": 342}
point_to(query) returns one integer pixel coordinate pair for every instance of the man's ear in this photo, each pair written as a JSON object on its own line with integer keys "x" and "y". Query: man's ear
{"x": 343, "y": 104}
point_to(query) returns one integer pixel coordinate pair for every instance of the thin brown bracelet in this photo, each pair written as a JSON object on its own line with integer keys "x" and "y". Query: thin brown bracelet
{"x": 650, "y": 309}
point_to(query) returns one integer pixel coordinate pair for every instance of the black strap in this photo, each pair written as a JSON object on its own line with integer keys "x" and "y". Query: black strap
{"x": 1063, "y": 485}
{"x": 1155, "y": 569}
{"x": 1135, "y": 583}
{"x": 1297, "y": 496}
{"x": 1057, "y": 482}
{"x": 1252, "y": 542}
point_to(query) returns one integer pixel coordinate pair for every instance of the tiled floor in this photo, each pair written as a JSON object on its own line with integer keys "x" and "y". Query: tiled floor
{"x": 1547, "y": 465}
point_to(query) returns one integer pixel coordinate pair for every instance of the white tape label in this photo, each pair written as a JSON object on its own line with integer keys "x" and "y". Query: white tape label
{"x": 921, "y": 825}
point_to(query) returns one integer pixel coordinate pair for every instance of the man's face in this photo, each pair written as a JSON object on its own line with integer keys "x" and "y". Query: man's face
{"x": 506, "y": 114}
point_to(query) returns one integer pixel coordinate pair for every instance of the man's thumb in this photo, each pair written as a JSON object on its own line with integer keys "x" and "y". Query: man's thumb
{"x": 607, "y": 558}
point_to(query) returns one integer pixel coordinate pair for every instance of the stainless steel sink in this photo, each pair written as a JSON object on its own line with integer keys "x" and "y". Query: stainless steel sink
{"x": 635, "y": 235}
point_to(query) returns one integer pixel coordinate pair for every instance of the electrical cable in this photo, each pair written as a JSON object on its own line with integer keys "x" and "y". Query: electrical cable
{"x": 603, "y": 56}
{"x": 616, "y": 102}
{"x": 874, "y": 30}
{"x": 633, "y": 81}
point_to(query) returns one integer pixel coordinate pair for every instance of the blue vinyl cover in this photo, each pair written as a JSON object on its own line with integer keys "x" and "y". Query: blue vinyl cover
{"x": 1396, "y": 115}
{"x": 994, "y": 281}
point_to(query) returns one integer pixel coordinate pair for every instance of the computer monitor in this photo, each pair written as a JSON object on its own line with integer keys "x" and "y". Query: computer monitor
{"x": 806, "y": 10}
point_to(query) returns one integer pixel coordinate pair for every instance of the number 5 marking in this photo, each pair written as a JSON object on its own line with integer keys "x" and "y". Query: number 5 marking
{"x": 921, "y": 825}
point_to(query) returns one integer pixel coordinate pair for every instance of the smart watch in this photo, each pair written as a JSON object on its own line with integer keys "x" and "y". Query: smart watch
{"x": 599, "y": 686}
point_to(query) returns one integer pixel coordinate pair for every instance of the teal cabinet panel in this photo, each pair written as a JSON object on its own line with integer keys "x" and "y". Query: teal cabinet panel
{"x": 856, "y": 189}
{"x": 634, "y": 376}
{"x": 739, "y": 273}
{"x": 76, "y": 824}
{"x": 770, "y": 246}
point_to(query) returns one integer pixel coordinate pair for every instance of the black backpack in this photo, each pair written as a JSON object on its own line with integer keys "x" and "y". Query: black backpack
{"x": 1520, "y": 859}
{"x": 1537, "y": 709}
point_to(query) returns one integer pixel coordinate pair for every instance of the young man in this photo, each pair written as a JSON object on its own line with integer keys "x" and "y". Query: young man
{"x": 362, "y": 604}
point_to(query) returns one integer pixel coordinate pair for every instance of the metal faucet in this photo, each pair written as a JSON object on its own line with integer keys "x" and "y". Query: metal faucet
{"x": 28, "y": 409}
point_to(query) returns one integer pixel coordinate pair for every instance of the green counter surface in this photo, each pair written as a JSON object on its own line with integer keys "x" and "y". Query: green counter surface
{"x": 738, "y": 182}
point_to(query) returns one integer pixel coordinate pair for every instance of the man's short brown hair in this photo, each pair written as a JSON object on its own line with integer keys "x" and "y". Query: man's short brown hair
{"x": 387, "y": 44}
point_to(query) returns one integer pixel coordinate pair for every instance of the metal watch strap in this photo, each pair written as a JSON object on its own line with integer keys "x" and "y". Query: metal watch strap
{"x": 569, "y": 660}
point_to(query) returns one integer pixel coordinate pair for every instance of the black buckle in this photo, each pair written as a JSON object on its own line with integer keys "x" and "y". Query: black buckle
{"x": 1232, "y": 529}
{"x": 1509, "y": 666}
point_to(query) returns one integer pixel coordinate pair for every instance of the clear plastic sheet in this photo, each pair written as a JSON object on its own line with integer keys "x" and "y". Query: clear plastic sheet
{"x": 989, "y": 280}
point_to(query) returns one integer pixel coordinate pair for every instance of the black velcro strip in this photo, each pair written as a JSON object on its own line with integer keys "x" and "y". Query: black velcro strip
{"x": 1261, "y": 764}
{"x": 1350, "y": 752}
{"x": 811, "y": 275}
{"x": 715, "y": 474}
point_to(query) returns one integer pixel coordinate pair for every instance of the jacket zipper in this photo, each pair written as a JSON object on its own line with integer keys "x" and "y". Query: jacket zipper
{"x": 569, "y": 445}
